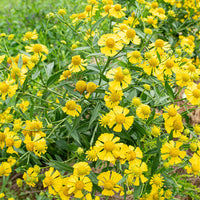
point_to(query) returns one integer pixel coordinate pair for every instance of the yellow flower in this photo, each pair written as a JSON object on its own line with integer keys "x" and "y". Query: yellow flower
{"x": 113, "y": 98}
{"x": 176, "y": 125}
{"x": 81, "y": 169}
{"x": 71, "y": 108}
{"x": 2, "y": 195}
{"x": 62, "y": 11}
{"x": 2, "y": 139}
{"x": 5, "y": 169}
{"x": 7, "y": 88}
{"x": 135, "y": 173}
{"x": 105, "y": 119}
{"x": 129, "y": 36}
{"x": 183, "y": 78}
{"x": 121, "y": 78}
{"x": 195, "y": 167}
{"x": 171, "y": 113}
{"x": 118, "y": 117}
{"x": 148, "y": 31}
{"x": 2, "y": 58}
{"x": 150, "y": 66}
{"x": 30, "y": 35}
{"x": 155, "y": 131}
{"x": 81, "y": 86}
{"x": 38, "y": 49}
{"x": 66, "y": 74}
{"x": 143, "y": 111}
{"x": 12, "y": 140}
{"x": 64, "y": 190}
{"x": 197, "y": 129}
{"x": 133, "y": 155}
{"x": 91, "y": 87}
{"x": 192, "y": 93}
{"x": 105, "y": 145}
{"x": 156, "y": 181}
{"x": 89, "y": 197}
{"x": 77, "y": 185}
{"x": 53, "y": 181}
{"x": 33, "y": 127}
{"x": 134, "y": 57}
{"x": 24, "y": 105}
{"x": 117, "y": 11}
{"x": 171, "y": 151}
{"x": 91, "y": 154}
{"x": 77, "y": 64}
{"x": 109, "y": 181}
{"x": 31, "y": 177}
{"x": 111, "y": 43}
{"x": 160, "y": 13}
{"x": 136, "y": 101}
{"x": 150, "y": 20}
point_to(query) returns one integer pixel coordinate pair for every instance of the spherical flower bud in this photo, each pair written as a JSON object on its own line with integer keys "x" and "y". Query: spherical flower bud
{"x": 80, "y": 150}
{"x": 186, "y": 131}
{"x": 193, "y": 146}
{"x": 147, "y": 87}
{"x": 19, "y": 182}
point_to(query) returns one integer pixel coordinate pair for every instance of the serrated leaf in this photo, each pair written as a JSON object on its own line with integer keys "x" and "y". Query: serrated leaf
{"x": 82, "y": 48}
{"x": 50, "y": 69}
{"x": 36, "y": 74}
{"x": 61, "y": 166}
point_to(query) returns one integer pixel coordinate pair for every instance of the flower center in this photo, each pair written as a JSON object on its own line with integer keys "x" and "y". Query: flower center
{"x": 28, "y": 35}
{"x": 66, "y": 191}
{"x": 66, "y": 73}
{"x": 123, "y": 27}
{"x": 159, "y": 43}
{"x": 177, "y": 124}
{"x": 154, "y": 5}
{"x": 145, "y": 110}
{"x": 172, "y": 112}
{"x": 185, "y": 77}
{"x": 71, "y": 105}
{"x": 76, "y": 60}
{"x": 79, "y": 185}
{"x": 48, "y": 181}
{"x": 195, "y": 167}
{"x": 119, "y": 76}
{"x": 136, "y": 54}
{"x": 192, "y": 68}
{"x": 110, "y": 43}
{"x": 157, "y": 181}
{"x": 81, "y": 86}
{"x": 153, "y": 62}
{"x": 174, "y": 152}
{"x": 115, "y": 97}
{"x": 161, "y": 11}
{"x": 169, "y": 64}
{"x": 109, "y": 146}
{"x": 132, "y": 155}
{"x": 88, "y": 8}
{"x": 37, "y": 48}
{"x": 91, "y": 87}
{"x": 4, "y": 87}
{"x": 150, "y": 21}
{"x": 120, "y": 118}
{"x": 196, "y": 93}
{"x": 107, "y": 8}
{"x": 130, "y": 33}
{"x": 109, "y": 185}
{"x": 117, "y": 7}
{"x": 30, "y": 146}
{"x": 9, "y": 142}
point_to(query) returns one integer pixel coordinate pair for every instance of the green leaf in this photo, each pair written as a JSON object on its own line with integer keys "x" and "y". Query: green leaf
{"x": 95, "y": 113}
{"x": 82, "y": 48}
{"x": 169, "y": 91}
{"x": 36, "y": 74}
{"x": 97, "y": 23}
{"x": 52, "y": 79}
{"x": 158, "y": 55}
{"x": 140, "y": 33}
{"x": 138, "y": 190}
{"x": 61, "y": 166}
{"x": 50, "y": 69}
{"x": 20, "y": 62}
